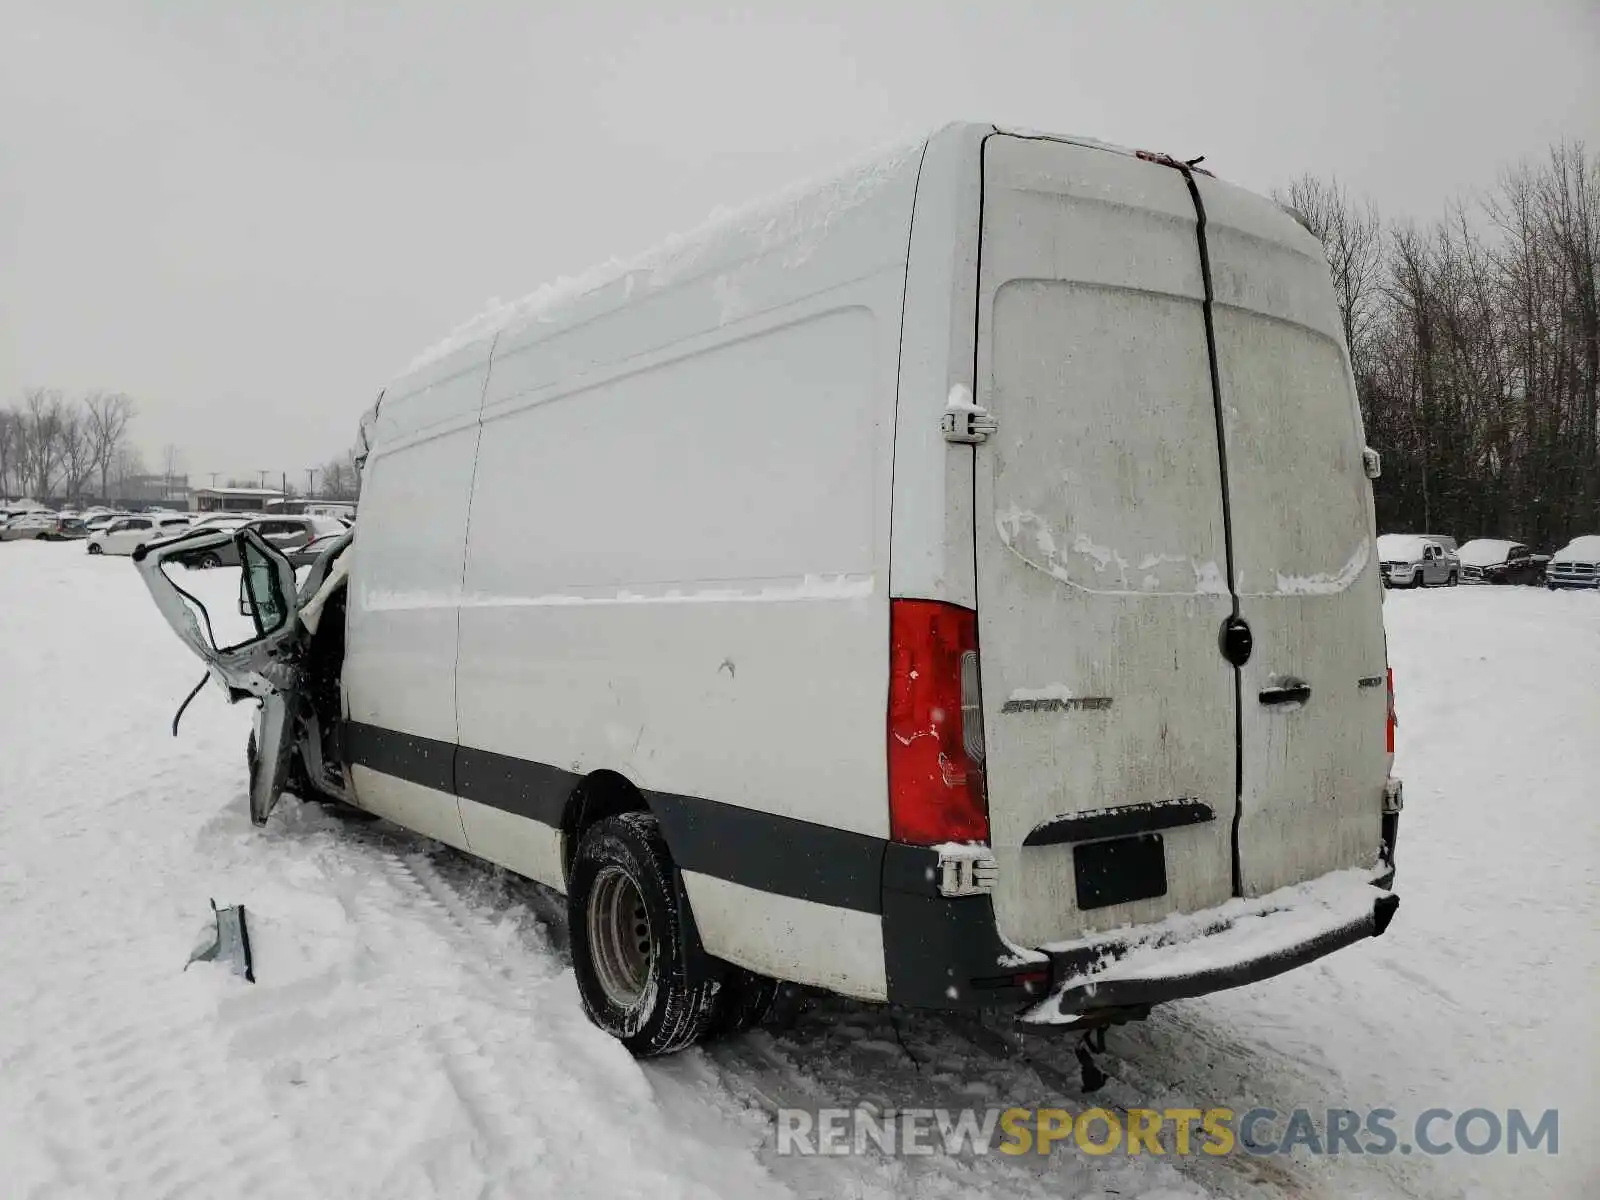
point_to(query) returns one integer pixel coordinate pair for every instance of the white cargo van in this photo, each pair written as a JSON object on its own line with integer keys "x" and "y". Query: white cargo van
{"x": 951, "y": 584}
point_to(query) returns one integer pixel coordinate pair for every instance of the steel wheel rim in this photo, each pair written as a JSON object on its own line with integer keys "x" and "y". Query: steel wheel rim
{"x": 620, "y": 940}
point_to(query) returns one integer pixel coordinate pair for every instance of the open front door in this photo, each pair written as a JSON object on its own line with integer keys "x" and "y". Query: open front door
{"x": 248, "y": 638}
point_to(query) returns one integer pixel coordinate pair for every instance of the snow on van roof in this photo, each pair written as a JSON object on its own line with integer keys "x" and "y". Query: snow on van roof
{"x": 1583, "y": 549}
{"x": 804, "y": 207}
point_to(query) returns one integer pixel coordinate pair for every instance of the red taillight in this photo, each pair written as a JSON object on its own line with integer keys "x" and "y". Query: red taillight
{"x": 935, "y": 773}
{"x": 1390, "y": 722}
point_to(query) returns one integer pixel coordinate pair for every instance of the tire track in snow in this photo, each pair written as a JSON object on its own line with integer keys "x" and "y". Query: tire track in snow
{"x": 457, "y": 1043}
{"x": 160, "y": 1126}
{"x": 952, "y": 1061}
{"x": 923, "y": 1060}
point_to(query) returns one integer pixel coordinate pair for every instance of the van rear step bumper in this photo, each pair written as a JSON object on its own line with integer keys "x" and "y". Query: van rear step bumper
{"x": 1239, "y": 942}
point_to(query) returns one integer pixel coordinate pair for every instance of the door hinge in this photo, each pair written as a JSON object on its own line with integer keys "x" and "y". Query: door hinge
{"x": 967, "y": 423}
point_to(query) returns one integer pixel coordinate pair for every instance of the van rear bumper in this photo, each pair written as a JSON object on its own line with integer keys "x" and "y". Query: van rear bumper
{"x": 1240, "y": 942}
{"x": 949, "y": 954}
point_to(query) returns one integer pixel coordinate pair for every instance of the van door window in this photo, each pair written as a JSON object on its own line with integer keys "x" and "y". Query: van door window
{"x": 268, "y": 606}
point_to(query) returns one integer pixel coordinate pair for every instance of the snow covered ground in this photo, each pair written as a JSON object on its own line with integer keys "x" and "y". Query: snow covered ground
{"x": 414, "y": 1031}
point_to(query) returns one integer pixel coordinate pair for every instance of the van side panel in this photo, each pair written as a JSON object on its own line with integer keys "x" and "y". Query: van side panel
{"x": 677, "y": 567}
{"x": 399, "y": 673}
{"x": 688, "y": 593}
{"x": 799, "y": 941}
{"x": 931, "y": 557}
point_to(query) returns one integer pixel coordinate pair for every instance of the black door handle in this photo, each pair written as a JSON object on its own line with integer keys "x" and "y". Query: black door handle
{"x": 1289, "y": 693}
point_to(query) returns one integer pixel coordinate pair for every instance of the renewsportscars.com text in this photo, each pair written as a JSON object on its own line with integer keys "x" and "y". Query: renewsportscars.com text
{"x": 1176, "y": 1131}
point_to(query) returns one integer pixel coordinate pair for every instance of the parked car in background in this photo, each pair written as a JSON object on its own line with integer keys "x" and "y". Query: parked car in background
{"x": 127, "y": 534}
{"x": 312, "y": 550}
{"x": 32, "y": 526}
{"x": 1451, "y": 546}
{"x": 282, "y": 533}
{"x": 69, "y": 529}
{"x": 1575, "y": 565}
{"x": 224, "y": 521}
{"x": 1416, "y": 560}
{"x": 95, "y": 523}
{"x": 19, "y": 508}
{"x": 1494, "y": 560}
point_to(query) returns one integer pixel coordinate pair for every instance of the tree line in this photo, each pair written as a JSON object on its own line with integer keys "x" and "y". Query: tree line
{"x": 1475, "y": 345}
{"x": 51, "y": 446}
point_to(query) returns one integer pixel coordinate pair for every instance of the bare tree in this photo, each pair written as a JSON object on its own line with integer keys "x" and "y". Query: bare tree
{"x": 1476, "y": 349}
{"x": 1352, "y": 238}
{"x": 40, "y": 440}
{"x": 8, "y": 448}
{"x": 129, "y": 464}
{"x": 340, "y": 478}
{"x": 108, "y": 415}
{"x": 76, "y": 450}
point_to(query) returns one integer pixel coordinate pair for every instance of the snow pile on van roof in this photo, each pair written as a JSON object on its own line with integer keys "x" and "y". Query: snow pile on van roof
{"x": 804, "y": 207}
{"x": 1581, "y": 549}
{"x": 1399, "y": 547}
{"x": 1485, "y": 552}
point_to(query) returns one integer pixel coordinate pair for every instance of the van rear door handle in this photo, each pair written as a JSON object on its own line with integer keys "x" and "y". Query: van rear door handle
{"x": 1289, "y": 693}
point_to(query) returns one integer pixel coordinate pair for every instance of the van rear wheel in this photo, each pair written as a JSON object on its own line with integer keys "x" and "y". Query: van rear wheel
{"x": 627, "y": 944}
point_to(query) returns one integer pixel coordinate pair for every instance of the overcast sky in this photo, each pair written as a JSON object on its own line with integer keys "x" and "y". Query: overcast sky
{"x": 250, "y": 215}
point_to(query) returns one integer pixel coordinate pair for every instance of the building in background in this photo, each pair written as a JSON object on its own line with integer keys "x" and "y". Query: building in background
{"x": 151, "y": 491}
{"x": 233, "y": 499}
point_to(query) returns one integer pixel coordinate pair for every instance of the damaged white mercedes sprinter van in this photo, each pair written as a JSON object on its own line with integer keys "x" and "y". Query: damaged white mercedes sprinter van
{"x": 950, "y": 584}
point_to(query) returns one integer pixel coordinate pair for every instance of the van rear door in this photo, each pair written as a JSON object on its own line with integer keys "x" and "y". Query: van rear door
{"x": 1313, "y": 700}
{"x": 1101, "y": 549}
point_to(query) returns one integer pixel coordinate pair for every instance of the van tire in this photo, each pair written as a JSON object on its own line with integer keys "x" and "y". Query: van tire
{"x": 640, "y": 992}
{"x": 742, "y": 1003}
{"x": 1416, "y": 579}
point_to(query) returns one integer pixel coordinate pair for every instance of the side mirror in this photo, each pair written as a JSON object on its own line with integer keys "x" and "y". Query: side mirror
{"x": 1371, "y": 463}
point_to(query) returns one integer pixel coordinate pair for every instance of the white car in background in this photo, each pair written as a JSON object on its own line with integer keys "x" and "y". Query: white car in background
{"x": 127, "y": 534}
{"x": 30, "y": 526}
{"x": 98, "y": 521}
{"x": 1575, "y": 565}
{"x": 1415, "y": 560}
